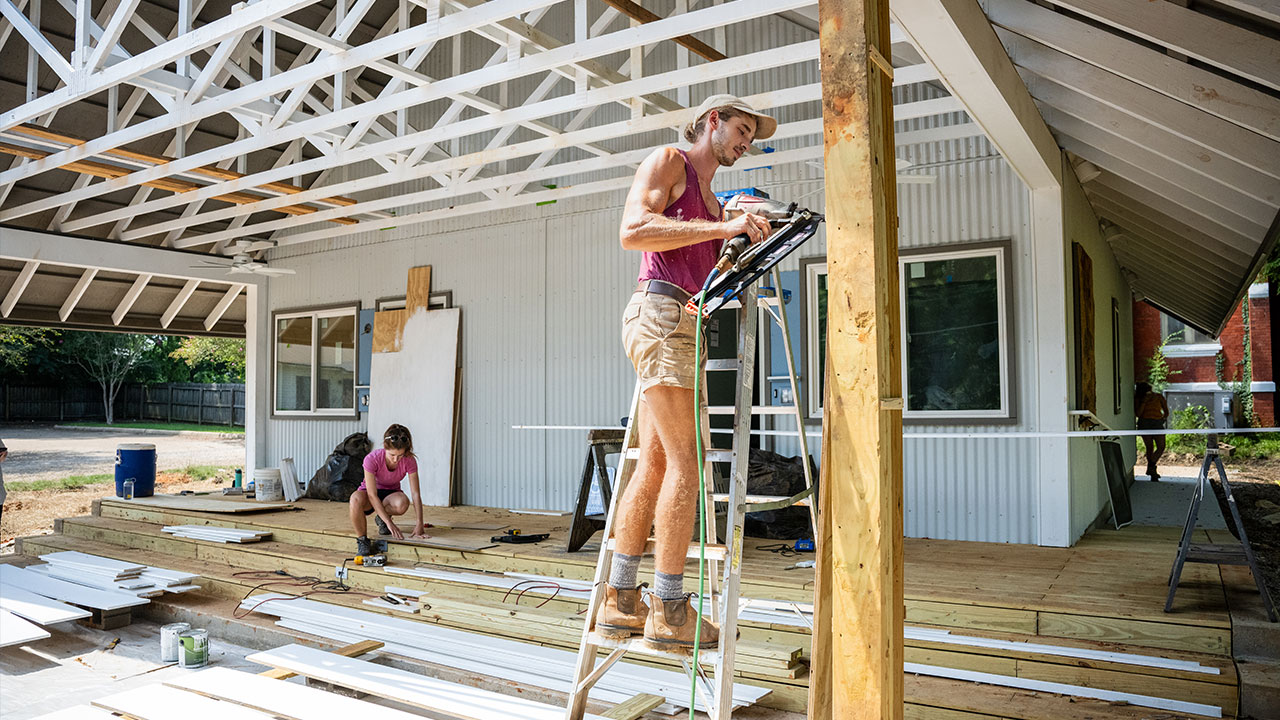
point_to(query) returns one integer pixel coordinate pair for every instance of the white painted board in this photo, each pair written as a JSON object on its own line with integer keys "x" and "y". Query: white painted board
{"x": 38, "y": 608}
{"x": 15, "y": 631}
{"x": 460, "y": 701}
{"x": 415, "y": 388}
{"x": 286, "y": 699}
{"x": 68, "y": 592}
{"x": 79, "y": 712}
{"x": 158, "y": 702}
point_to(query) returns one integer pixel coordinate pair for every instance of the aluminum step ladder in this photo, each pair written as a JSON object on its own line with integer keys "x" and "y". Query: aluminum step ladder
{"x": 714, "y": 676}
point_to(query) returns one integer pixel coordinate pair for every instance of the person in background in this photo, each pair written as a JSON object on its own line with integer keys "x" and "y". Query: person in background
{"x": 1153, "y": 412}
{"x": 380, "y": 493}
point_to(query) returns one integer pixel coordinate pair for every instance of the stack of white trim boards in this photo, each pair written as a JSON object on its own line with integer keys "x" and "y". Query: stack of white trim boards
{"x": 215, "y": 533}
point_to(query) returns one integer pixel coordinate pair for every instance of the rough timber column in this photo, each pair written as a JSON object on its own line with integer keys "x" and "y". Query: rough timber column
{"x": 857, "y": 634}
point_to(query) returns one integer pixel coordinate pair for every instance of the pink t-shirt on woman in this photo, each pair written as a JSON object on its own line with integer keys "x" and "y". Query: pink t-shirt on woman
{"x": 376, "y": 463}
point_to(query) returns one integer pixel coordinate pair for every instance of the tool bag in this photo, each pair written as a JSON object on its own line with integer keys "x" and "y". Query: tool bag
{"x": 773, "y": 474}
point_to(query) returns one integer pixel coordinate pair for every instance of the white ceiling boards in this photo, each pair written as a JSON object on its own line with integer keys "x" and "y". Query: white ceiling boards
{"x": 293, "y": 122}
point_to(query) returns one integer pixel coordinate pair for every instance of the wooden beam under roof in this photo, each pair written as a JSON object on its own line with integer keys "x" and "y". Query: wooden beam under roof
{"x": 637, "y": 12}
{"x": 107, "y": 170}
{"x": 210, "y": 171}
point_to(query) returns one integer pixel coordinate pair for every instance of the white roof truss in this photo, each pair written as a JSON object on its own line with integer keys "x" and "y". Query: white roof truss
{"x": 289, "y": 121}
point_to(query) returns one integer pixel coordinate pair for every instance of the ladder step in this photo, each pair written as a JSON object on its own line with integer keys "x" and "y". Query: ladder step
{"x": 638, "y": 645}
{"x": 712, "y": 455}
{"x": 759, "y": 499}
{"x": 755, "y": 409}
{"x": 726, "y": 364}
{"x": 715, "y": 551}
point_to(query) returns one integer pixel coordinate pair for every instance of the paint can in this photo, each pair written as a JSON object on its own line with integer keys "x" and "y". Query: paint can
{"x": 267, "y": 485}
{"x": 193, "y": 648}
{"x": 169, "y": 640}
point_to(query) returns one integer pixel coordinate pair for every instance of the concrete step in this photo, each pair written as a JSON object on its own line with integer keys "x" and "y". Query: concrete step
{"x": 1252, "y": 635}
{"x": 1259, "y": 689}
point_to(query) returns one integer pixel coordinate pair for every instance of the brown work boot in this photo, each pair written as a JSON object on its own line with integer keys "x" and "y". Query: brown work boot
{"x": 622, "y": 613}
{"x": 671, "y": 625}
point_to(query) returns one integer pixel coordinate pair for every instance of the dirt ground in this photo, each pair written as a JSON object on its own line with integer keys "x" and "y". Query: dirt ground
{"x": 43, "y": 452}
{"x": 1257, "y": 490}
{"x": 33, "y": 512}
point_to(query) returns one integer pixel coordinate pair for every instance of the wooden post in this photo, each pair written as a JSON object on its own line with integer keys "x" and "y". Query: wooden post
{"x": 200, "y": 407}
{"x": 169, "y": 411}
{"x": 857, "y": 633}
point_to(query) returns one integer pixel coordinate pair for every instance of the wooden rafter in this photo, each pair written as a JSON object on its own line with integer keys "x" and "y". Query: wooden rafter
{"x": 637, "y": 12}
{"x": 212, "y": 172}
{"x": 107, "y": 170}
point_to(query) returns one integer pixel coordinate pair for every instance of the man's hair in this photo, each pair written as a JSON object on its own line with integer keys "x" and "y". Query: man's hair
{"x": 694, "y": 130}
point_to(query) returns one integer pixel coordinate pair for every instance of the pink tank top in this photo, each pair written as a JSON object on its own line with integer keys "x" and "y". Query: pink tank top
{"x": 687, "y": 266}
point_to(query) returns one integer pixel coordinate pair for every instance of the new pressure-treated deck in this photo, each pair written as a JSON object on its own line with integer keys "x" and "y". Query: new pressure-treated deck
{"x": 1106, "y": 593}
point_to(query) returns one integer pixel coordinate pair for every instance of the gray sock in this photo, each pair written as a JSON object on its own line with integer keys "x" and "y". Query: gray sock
{"x": 668, "y": 587}
{"x": 622, "y": 575}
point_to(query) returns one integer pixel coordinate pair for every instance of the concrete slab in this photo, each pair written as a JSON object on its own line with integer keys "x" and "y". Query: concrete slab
{"x": 77, "y": 664}
{"x": 1165, "y": 503}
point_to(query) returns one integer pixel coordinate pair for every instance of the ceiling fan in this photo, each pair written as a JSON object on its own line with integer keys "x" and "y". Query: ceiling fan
{"x": 242, "y": 263}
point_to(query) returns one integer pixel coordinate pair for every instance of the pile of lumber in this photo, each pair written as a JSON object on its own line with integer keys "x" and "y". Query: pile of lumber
{"x": 107, "y": 574}
{"x": 215, "y": 533}
{"x": 533, "y": 665}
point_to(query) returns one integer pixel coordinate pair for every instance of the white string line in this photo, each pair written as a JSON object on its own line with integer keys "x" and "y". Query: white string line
{"x": 961, "y": 435}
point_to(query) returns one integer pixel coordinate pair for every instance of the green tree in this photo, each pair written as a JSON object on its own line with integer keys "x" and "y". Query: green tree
{"x": 108, "y": 358}
{"x": 212, "y": 359}
{"x": 18, "y": 344}
{"x": 1158, "y": 371}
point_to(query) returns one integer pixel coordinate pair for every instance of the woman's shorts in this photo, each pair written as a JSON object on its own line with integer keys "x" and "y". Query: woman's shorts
{"x": 658, "y": 337}
{"x": 1150, "y": 424}
{"x": 382, "y": 495}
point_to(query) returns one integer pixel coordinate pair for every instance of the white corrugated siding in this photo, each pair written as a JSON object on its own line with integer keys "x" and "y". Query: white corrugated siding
{"x": 542, "y": 291}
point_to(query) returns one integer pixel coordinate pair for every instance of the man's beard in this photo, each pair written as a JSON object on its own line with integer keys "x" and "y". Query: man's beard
{"x": 719, "y": 148}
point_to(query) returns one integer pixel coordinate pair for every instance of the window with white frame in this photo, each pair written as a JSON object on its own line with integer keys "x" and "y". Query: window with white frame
{"x": 957, "y": 361}
{"x": 1177, "y": 332}
{"x": 315, "y": 362}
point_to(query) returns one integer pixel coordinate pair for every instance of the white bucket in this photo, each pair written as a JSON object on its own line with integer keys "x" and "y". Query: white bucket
{"x": 267, "y": 486}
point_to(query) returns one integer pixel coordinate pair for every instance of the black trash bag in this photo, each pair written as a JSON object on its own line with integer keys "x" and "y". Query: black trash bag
{"x": 343, "y": 471}
{"x": 769, "y": 473}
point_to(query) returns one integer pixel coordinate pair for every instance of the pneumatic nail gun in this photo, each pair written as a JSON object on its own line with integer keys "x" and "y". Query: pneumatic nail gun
{"x": 741, "y": 263}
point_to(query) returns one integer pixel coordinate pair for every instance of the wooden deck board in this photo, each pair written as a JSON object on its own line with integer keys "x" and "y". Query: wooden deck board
{"x": 93, "y": 535}
{"x": 1118, "y": 575}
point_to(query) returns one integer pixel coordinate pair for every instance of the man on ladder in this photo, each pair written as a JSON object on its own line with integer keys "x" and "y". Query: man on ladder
{"x": 674, "y": 218}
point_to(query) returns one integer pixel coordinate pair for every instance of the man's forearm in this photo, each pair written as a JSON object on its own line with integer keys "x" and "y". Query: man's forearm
{"x": 656, "y": 233}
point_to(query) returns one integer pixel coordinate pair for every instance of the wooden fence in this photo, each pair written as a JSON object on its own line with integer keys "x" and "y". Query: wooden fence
{"x": 199, "y": 403}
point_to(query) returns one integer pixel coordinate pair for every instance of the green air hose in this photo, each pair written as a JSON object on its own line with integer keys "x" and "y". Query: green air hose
{"x": 702, "y": 493}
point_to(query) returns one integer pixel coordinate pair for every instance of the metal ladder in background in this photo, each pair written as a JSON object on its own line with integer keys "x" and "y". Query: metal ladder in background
{"x": 714, "y": 691}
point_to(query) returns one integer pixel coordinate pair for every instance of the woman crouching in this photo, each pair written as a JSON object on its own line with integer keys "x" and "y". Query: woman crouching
{"x": 384, "y": 468}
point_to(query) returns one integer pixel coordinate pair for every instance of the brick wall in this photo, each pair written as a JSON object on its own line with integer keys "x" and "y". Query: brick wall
{"x": 1147, "y": 337}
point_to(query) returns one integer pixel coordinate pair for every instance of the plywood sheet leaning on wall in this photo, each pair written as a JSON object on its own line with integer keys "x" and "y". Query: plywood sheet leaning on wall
{"x": 416, "y": 387}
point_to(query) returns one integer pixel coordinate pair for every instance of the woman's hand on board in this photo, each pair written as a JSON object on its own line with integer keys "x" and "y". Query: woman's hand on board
{"x": 419, "y": 531}
{"x": 395, "y": 531}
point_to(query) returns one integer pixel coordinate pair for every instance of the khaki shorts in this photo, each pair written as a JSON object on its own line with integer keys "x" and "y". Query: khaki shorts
{"x": 657, "y": 334}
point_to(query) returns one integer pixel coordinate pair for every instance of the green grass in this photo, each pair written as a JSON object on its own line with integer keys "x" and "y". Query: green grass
{"x": 75, "y": 482}
{"x": 1253, "y": 446}
{"x": 189, "y": 427}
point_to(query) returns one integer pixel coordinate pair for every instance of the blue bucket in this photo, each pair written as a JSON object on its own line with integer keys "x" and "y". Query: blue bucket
{"x": 136, "y": 462}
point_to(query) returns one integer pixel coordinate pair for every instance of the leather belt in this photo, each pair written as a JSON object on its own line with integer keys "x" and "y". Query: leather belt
{"x": 662, "y": 287}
